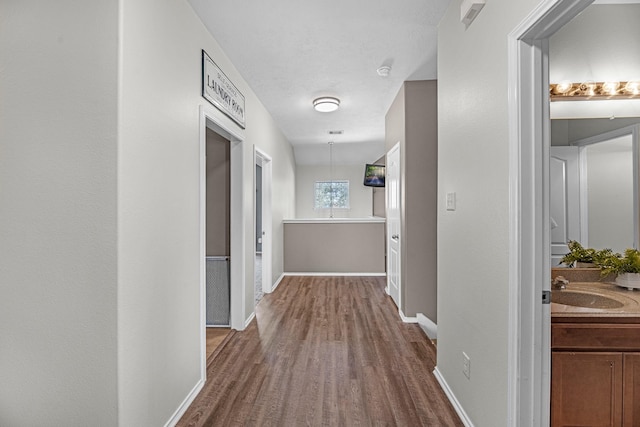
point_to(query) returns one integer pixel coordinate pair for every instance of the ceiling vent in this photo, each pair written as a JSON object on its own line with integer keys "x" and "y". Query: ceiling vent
{"x": 336, "y": 132}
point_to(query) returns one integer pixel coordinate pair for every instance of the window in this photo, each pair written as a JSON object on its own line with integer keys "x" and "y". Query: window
{"x": 330, "y": 194}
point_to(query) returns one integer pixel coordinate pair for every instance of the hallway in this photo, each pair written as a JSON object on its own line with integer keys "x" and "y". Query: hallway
{"x": 324, "y": 351}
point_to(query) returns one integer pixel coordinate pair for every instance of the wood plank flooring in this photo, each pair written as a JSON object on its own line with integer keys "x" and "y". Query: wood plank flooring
{"x": 215, "y": 336}
{"x": 324, "y": 351}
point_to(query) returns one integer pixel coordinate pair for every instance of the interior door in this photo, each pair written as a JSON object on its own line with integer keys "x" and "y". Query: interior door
{"x": 564, "y": 200}
{"x": 392, "y": 183}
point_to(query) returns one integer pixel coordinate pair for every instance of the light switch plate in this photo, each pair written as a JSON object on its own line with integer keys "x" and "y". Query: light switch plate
{"x": 451, "y": 201}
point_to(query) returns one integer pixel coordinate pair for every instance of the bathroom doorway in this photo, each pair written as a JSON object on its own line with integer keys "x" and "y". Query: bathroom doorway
{"x": 529, "y": 248}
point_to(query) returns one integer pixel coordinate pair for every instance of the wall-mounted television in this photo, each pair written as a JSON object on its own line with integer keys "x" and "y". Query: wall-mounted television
{"x": 374, "y": 175}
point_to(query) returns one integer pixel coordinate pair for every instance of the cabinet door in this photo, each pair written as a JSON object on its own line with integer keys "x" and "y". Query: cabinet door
{"x": 586, "y": 389}
{"x": 631, "y": 389}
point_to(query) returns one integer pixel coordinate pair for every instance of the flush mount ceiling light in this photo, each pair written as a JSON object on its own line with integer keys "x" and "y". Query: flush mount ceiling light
{"x": 590, "y": 90}
{"x": 326, "y": 104}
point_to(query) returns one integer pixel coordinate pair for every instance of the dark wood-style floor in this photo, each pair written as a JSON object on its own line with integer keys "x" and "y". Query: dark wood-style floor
{"x": 215, "y": 337}
{"x": 324, "y": 351}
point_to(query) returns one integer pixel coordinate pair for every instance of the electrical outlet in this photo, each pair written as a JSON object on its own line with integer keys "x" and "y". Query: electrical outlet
{"x": 466, "y": 365}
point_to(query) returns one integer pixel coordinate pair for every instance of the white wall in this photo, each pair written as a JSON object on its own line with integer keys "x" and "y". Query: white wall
{"x": 99, "y": 208}
{"x": 158, "y": 203}
{"x": 473, "y": 240}
{"x": 609, "y": 172}
{"x": 58, "y": 86}
{"x": 361, "y": 197}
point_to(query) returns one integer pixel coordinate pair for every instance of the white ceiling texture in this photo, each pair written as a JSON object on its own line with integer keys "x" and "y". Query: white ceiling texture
{"x": 293, "y": 51}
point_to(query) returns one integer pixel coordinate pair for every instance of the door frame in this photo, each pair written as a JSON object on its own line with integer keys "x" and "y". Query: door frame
{"x": 263, "y": 159}
{"x": 210, "y": 119}
{"x": 529, "y": 324}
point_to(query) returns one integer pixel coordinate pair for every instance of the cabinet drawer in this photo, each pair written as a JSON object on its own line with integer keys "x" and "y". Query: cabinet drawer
{"x": 594, "y": 336}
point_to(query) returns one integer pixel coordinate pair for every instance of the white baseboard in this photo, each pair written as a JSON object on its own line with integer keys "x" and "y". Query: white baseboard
{"x": 275, "y": 285}
{"x": 427, "y": 325}
{"x": 406, "y": 319}
{"x": 250, "y": 319}
{"x": 333, "y": 274}
{"x": 185, "y": 404}
{"x": 452, "y": 398}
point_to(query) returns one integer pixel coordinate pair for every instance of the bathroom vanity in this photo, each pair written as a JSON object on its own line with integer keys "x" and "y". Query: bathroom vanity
{"x": 595, "y": 355}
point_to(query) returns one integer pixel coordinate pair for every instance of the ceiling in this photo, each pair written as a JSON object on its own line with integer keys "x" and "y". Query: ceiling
{"x": 291, "y": 52}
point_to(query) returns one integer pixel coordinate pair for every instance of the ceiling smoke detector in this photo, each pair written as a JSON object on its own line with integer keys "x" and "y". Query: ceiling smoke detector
{"x": 384, "y": 71}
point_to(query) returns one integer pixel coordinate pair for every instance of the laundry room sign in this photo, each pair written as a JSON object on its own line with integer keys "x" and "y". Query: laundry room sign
{"x": 221, "y": 92}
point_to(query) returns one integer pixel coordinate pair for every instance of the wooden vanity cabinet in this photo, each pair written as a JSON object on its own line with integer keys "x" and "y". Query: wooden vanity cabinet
{"x": 631, "y": 384}
{"x": 595, "y": 375}
{"x": 586, "y": 389}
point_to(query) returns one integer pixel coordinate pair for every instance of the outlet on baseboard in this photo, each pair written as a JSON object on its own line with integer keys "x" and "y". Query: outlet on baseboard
{"x": 466, "y": 365}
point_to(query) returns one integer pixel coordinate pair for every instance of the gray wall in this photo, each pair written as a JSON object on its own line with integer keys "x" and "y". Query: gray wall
{"x": 412, "y": 120}
{"x": 218, "y": 195}
{"x": 334, "y": 247}
{"x": 379, "y": 195}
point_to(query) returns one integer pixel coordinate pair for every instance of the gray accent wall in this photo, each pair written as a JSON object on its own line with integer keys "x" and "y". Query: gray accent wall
{"x": 412, "y": 121}
{"x": 218, "y": 195}
{"x": 334, "y": 247}
{"x": 379, "y": 195}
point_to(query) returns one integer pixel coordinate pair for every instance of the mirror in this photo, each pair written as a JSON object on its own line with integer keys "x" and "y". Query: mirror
{"x": 594, "y": 185}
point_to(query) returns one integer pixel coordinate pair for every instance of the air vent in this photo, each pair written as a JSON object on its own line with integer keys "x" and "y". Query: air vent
{"x": 336, "y": 132}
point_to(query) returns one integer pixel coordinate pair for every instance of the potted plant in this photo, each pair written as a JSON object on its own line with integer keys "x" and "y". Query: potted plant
{"x": 626, "y": 266}
{"x": 582, "y": 257}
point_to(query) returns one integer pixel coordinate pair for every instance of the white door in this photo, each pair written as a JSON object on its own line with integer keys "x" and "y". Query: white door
{"x": 263, "y": 223}
{"x": 564, "y": 200}
{"x": 392, "y": 183}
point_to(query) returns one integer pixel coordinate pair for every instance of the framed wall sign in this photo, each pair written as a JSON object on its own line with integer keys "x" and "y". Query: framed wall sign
{"x": 221, "y": 92}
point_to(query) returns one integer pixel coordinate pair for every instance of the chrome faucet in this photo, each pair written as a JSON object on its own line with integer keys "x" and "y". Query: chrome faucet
{"x": 559, "y": 282}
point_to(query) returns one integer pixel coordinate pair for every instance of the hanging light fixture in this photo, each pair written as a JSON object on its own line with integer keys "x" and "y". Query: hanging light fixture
{"x": 326, "y": 104}
{"x": 331, "y": 178}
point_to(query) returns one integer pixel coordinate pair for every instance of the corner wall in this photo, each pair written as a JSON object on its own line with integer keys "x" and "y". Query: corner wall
{"x": 158, "y": 203}
{"x": 58, "y": 272}
{"x": 412, "y": 121}
{"x": 473, "y": 240}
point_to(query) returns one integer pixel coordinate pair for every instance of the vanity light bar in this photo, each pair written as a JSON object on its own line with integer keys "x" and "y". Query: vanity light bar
{"x": 567, "y": 91}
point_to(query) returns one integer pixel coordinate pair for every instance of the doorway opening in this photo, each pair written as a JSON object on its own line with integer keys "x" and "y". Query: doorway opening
{"x": 529, "y": 228}
{"x": 263, "y": 224}
{"x": 212, "y": 125}
{"x": 218, "y": 229}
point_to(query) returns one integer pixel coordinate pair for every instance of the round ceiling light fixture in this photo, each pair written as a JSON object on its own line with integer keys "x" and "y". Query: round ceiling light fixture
{"x": 326, "y": 104}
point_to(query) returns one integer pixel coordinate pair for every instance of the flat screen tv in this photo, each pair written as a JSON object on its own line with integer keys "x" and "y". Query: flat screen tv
{"x": 374, "y": 175}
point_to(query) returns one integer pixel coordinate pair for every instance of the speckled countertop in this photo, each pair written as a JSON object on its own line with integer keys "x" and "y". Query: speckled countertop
{"x": 629, "y": 311}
